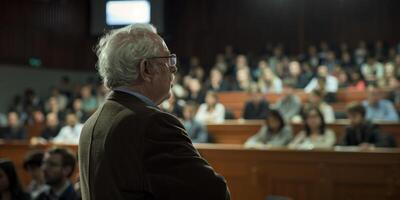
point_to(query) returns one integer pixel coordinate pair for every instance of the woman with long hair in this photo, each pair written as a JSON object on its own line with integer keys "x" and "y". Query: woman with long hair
{"x": 275, "y": 132}
{"x": 315, "y": 133}
{"x": 10, "y": 187}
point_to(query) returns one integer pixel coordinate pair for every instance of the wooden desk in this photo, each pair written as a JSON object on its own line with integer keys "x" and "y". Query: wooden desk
{"x": 302, "y": 175}
{"x": 307, "y": 175}
{"x": 238, "y": 131}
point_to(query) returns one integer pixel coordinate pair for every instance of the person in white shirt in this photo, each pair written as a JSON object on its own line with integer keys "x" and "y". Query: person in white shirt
{"x": 70, "y": 133}
{"x": 211, "y": 111}
{"x": 331, "y": 82}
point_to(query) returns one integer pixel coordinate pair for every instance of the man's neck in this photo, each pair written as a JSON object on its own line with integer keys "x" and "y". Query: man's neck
{"x": 142, "y": 91}
{"x": 60, "y": 187}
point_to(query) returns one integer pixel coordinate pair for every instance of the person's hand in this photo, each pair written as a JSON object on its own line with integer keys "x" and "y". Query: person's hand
{"x": 38, "y": 141}
{"x": 366, "y": 146}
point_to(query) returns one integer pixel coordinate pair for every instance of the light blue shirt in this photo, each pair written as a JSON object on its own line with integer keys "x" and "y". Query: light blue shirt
{"x": 383, "y": 111}
{"x": 145, "y": 99}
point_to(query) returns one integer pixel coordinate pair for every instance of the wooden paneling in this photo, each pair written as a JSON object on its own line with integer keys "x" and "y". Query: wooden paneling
{"x": 302, "y": 175}
{"x": 203, "y": 28}
{"x": 57, "y": 31}
{"x": 341, "y": 174}
{"x": 238, "y": 131}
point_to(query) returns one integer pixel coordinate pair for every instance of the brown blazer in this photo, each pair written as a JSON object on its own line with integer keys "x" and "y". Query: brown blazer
{"x": 129, "y": 150}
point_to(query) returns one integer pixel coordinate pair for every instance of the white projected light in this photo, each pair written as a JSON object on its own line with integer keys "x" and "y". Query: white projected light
{"x": 127, "y": 12}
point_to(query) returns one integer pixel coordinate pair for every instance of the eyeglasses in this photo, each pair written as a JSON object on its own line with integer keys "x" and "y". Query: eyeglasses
{"x": 172, "y": 60}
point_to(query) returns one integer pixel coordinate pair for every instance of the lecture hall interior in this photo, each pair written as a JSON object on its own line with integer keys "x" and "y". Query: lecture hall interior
{"x": 286, "y": 99}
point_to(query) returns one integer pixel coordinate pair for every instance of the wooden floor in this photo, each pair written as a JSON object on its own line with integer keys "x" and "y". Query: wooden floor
{"x": 302, "y": 175}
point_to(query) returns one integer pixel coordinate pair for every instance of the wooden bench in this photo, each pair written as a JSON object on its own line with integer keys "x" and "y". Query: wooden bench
{"x": 238, "y": 131}
{"x": 341, "y": 173}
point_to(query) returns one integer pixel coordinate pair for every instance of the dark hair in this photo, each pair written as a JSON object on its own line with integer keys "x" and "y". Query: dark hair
{"x": 15, "y": 187}
{"x": 356, "y": 108}
{"x": 276, "y": 114}
{"x": 33, "y": 159}
{"x": 68, "y": 158}
{"x": 321, "y": 127}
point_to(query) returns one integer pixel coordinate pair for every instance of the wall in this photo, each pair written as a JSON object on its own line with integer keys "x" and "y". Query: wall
{"x": 204, "y": 27}
{"x": 57, "y": 31}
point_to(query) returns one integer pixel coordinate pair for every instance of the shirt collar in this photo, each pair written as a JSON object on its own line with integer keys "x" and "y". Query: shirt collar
{"x": 145, "y": 99}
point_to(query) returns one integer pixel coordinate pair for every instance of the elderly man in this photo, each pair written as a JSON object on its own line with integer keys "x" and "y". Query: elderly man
{"x": 129, "y": 149}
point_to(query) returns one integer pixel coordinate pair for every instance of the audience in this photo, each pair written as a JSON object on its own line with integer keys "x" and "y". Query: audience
{"x": 58, "y": 167}
{"x": 257, "y": 107}
{"x": 379, "y": 109}
{"x": 70, "y": 133}
{"x": 14, "y": 128}
{"x": 216, "y": 82}
{"x": 315, "y": 133}
{"x": 373, "y": 71}
{"x": 274, "y": 133}
{"x": 196, "y": 131}
{"x": 52, "y": 127}
{"x": 10, "y": 187}
{"x": 289, "y": 105}
{"x": 32, "y": 164}
{"x": 211, "y": 111}
{"x": 172, "y": 106}
{"x": 315, "y": 99}
{"x": 89, "y": 102}
{"x": 269, "y": 82}
{"x": 78, "y": 110}
{"x": 330, "y": 83}
{"x": 195, "y": 92}
{"x": 360, "y": 132}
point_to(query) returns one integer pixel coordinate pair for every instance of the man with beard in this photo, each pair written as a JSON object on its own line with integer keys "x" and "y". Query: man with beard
{"x": 58, "y": 166}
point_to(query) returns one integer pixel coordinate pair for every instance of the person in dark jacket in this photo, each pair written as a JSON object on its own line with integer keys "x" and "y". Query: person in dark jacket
{"x": 58, "y": 167}
{"x": 129, "y": 148}
{"x": 360, "y": 132}
{"x": 257, "y": 107}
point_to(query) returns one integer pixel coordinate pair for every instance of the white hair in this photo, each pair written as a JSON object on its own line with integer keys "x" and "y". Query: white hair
{"x": 119, "y": 53}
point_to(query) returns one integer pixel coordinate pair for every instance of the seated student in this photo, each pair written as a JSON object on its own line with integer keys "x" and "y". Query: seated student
{"x": 289, "y": 104}
{"x": 315, "y": 99}
{"x": 58, "y": 167}
{"x": 257, "y": 107}
{"x": 70, "y": 133}
{"x": 379, "y": 109}
{"x": 330, "y": 85}
{"x": 196, "y": 131}
{"x": 14, "y": 129}
{"x": 275, "y": 133}
{"x": 315, "y": 133}
{"x": 32, "y": 164}
{"x": 52, "y": 127}
{"x": 10, "y": 187}
{"x": 360, "y": 132}
{"x": 211, "y": 111}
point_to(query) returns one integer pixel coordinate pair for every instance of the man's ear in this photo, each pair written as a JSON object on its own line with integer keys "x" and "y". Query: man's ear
{"x": 145, "y": 71}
